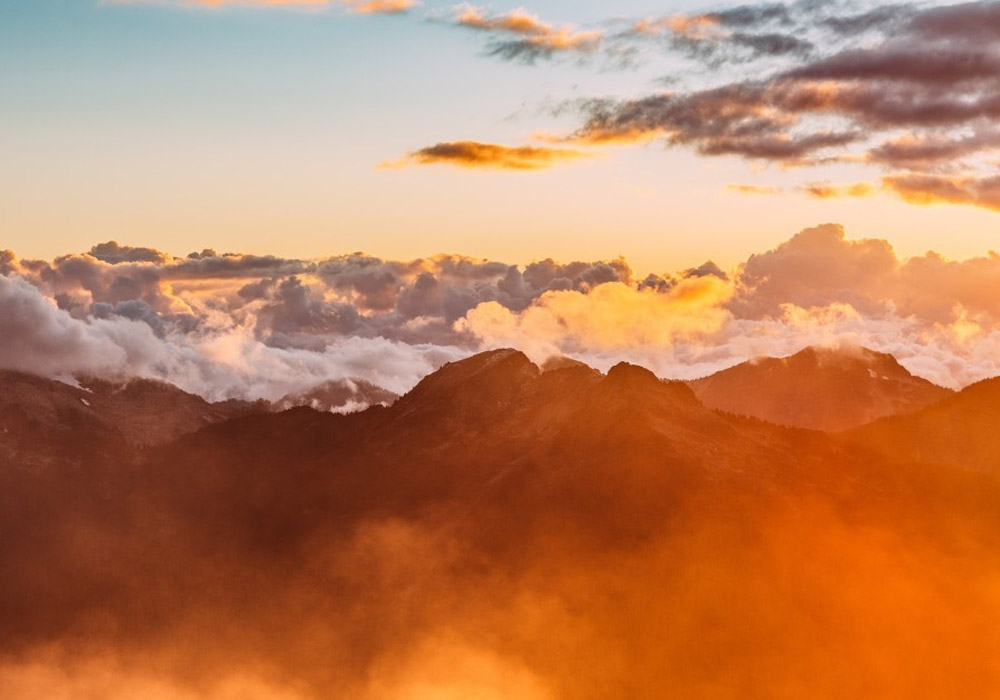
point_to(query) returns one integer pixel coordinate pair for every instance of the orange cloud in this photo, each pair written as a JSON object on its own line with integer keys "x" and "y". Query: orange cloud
{"x": 533, "y": 32}
{"x": 943, "y": 189}
{"x": 753, "y": 189}
{"x": 694, "y": 27}
{"x": 858, "y": 190}
{"x": 473, "y": 154}
{"x": 385, "y": 7}
{"x": 611, "y": 316}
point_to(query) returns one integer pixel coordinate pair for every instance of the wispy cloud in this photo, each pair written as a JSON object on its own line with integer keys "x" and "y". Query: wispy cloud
{"x": 531, "y": 37}
{"x": 476, "y": 155}
{"x": 858, "y": 190}
{"x": 944, "y": 189}
{"x": 915, "y": 91}
{"x": 754, "y": 189}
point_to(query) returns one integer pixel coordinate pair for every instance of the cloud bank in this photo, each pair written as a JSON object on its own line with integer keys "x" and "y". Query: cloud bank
{"x": 250, "y": 326}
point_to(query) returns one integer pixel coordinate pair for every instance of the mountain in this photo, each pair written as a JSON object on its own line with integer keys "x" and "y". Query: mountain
{"x": 828, "y": 389}
{"x": 505, "y": 530}
{"x": 45, "y": 420}
{"x": 338, "y": 396}
{"x": 960, "y": 430}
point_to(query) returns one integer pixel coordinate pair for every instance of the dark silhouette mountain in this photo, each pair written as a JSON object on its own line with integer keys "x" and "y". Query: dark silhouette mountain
{"x": 827, "y": 389}
{"x": 338, "y": 396}
{"x": 503, "y": 531}
{"x": 960, "y": 431}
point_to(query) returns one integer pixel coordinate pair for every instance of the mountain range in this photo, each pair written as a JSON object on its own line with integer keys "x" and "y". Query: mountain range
{"x": 510, "y": 530}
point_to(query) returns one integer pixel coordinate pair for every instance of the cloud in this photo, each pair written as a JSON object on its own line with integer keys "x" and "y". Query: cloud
{"x": 937, "y": 316}
{"x": 754, "y": 189}
{"x": 533, "y": 38}
{"x": 936, "y": 189}
{"x": 912, "y": 90}
{"x": 238, "y": 326}
{"x": 611, "y": 316}
{"x": 228, "y": 361}
{"x": 476, "y": 155}
{"x": 858, "y": 190}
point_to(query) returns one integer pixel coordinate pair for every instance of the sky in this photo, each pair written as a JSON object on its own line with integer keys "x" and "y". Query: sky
{"x": 304, "y": 130}
{"x": 248, "y": 198}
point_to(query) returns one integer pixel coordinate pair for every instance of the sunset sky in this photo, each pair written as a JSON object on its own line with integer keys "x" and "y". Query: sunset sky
{"x": 307, "y": 129}
{"x": 444, "y": 350}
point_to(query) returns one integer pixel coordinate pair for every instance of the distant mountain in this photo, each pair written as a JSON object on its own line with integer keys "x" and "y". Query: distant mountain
{"x": 828, "y": 389}
{"x": 961, "y": 430}
{"x": 338, "y": 396}
{"x": 507, "y": 531}
{"x": 45, "y": 420}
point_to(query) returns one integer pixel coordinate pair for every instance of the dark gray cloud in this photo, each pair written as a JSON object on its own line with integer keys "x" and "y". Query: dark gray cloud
{"x": 112, "y": 252}
{"x": 914, "y": 90}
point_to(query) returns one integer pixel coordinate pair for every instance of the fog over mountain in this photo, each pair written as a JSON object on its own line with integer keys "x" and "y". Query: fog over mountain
{"x": 554, "y": 473}
{"x": 501, "y": 531}
{"x": 234, "y": 476}
{"x": 233, "y": 326}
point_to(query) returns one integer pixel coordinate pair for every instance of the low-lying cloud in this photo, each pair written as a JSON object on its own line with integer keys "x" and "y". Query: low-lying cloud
{"x": 242, "y": 326}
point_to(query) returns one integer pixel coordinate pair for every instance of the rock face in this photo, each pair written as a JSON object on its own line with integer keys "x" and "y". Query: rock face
{"x": 502, "y": 531}
{"x": 828, "y": 389}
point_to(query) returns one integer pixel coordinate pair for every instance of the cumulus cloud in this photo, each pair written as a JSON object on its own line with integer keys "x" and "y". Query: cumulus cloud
{"x": 234, "y": 326}
{"x": 611, "y": 316}
{"x": 476, "y": 155}
{"x": 226, "y": 362}
{"x": 237, "y": 326}
{"x": 937, "y": 316}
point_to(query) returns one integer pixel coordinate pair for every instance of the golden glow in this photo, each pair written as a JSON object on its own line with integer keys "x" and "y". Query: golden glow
{"x": 858, "y": 190}
{"x": 530, "y": 28}
{"x": 475, "y": 155}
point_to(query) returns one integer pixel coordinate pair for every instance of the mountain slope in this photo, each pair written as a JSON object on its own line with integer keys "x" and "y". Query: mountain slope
{"x": 503, "y": 531}
{"x": 959, "y": 431}
{"x": 819, "y": 388}
{"x": 41, "y": 418}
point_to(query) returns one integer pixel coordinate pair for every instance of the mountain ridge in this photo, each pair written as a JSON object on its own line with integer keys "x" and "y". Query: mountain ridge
{"x": 828, "y": 389}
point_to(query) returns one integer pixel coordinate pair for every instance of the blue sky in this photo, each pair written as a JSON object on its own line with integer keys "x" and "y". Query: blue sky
{"x": 261, "y": 130}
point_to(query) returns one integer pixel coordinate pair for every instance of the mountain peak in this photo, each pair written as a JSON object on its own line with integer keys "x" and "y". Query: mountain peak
{"x": 632, "y": 375}
{"x": 822, "y": 388}
{"x": 488, "y": 379}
